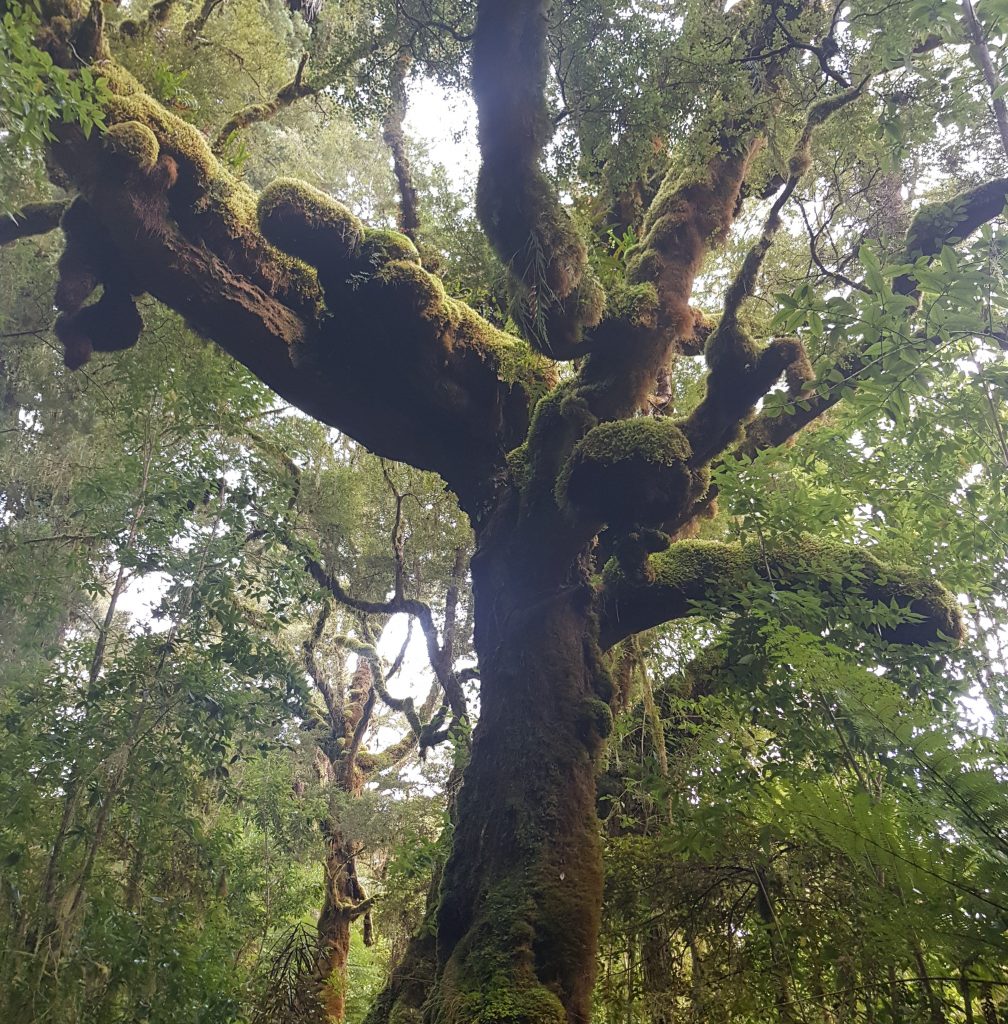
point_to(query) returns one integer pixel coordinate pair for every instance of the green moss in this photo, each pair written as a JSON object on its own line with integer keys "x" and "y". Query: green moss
{"x": 595, "y": 721}
{"x": 646, "y": 266}
{"x": 628, "y": 471}
{"x": 519, "y": 363}
{"x": 120, "y": 81}
{"x": 381, "y": 245}
{"x": 176, "y": 137}
{"x": 518, "y": 464}
{"x": 635, "y": 304}
{"x": 308, "y": 224}
{"x": 591, "y": 300}
{"x": 729, "y": 347}
{"x": 135, "y": 142}
{"x": 684, "y": 564}
{"x": 490, "y": 979}
{"x": 839, "y": 570}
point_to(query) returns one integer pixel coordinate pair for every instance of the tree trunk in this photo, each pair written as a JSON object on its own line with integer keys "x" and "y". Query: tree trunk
{"x": 341, "y": 893}
{"x": 519, "y": 916}
{"x": 657, "y": 970}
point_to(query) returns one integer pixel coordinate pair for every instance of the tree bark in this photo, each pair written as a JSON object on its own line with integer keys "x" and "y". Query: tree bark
{"x": 520, "y": 898}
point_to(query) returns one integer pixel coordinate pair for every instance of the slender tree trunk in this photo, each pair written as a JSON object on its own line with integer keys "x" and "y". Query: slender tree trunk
{"x": 519, "y": 916}
{"x": 342, "y": 892}
{"x": 656, "y": 970}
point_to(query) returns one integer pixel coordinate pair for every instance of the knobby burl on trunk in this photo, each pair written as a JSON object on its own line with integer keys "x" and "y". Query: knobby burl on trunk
{"x": 344, "y": 322}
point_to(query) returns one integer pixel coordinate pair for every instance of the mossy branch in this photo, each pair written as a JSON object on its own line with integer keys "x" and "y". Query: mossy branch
{"x": 693, "y": 577}
{"x": 555, "y": 294}
{"x": 933, "y": 226}
{"x": 344, "y": 324}
{"x": 255, "y": 113}
{"x": 740, "y": 372}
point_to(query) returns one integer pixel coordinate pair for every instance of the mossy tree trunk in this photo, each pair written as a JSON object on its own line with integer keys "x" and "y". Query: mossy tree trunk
{"x": 521, "y": 892}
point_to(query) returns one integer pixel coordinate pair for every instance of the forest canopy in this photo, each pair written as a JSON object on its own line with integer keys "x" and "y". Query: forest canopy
{"x": 553, "y": 574}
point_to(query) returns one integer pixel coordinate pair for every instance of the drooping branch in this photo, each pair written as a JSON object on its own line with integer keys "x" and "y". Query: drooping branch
{"x": 32, "y": 219}
{"x": 700, "y": 577}
{"x": 392, "y": 133}
{"x": 352, "y": 331}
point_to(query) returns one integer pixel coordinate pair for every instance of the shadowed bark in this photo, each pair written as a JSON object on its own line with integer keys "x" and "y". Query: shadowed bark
{"x": 31, "y": 219}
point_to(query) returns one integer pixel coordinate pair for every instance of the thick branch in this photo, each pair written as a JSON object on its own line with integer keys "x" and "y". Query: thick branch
{"x": 741, "y": 373}
{"x": 555, "y": 294}
{"x": 397, "y": 365}
{"x": 32, "y": 219}
{"x": 698, "y": 577}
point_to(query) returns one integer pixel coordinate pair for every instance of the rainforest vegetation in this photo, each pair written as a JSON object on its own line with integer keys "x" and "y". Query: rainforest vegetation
{"x": 557, "y": 573}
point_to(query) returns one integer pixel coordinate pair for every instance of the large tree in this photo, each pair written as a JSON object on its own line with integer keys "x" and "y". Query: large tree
{"x": 583, "y": 462}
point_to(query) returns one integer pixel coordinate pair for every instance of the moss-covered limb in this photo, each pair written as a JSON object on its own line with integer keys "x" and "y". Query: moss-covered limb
{"x": 392, "y": 133}
{"x": 948, "y": 222}
{"x": 717, "y": 574}
{"x": 743, "y": 285}
{"x": 32, "y": 219}
{"x": 691, "y": 212}
{"x": 379, "y": 351}
{"x": 255, "y": 113}
{"x": 740, "y": 375}
{"x": 555, "y": 294}
{"x": 934, "y": 225}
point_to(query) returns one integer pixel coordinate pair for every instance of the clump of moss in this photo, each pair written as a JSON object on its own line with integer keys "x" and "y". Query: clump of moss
{"x": 518, "y": 464}
{"x": 519, "y": 363}
{"x": 135, "y": 143}
{"x": 691, "y": 562}
{"x": 308, "y": 224}
{"x": 628, "y": 471}
{"x": 595, "y": 722}
{"x": 493, "y": 981}
{"x": 381, "y": 245}
{"x": 636, "y": 304}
